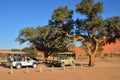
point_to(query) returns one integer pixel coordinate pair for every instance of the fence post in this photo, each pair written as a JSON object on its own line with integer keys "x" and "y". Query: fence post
{"x": 64, "y": 67}
{"x": 11, "y": 70}
{"x": 27, "y": 70}
{"x": 52, "y": 67}
{"x": 40, "y": 68}
{"x": 73, "y": 66}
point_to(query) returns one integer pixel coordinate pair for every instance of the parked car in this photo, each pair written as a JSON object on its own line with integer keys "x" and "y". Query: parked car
{"x": 63, "y": 59}
{"x": 24, "y": 63}
{"x": 21, "y": 60}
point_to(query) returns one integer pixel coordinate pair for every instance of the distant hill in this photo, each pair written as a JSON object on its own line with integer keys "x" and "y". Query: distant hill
{"x": 108, "y": 48}
{"x": 112, "y": 48}
{"x": 5, "y": 51}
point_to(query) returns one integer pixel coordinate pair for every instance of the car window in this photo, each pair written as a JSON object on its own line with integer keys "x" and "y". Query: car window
{"x": 28, "y": 59}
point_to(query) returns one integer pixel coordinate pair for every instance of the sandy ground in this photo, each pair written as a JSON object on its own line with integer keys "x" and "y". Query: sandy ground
{"x": 103, "y": 70}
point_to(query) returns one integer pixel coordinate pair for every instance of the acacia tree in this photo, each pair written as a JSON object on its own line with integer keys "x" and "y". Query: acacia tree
{"x": 44, "y": 39}
{"x": 85, "y": 29}
{"x": 62, "y": 19}
{"x": 93, "y": 31}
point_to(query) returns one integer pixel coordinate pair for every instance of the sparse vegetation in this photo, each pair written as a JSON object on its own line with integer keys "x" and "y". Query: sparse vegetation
{"x": 30, "y": 51}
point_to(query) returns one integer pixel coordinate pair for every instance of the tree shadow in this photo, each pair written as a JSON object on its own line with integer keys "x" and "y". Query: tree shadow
{"x": 81, "y": 64}
{"x": 5, "y": 65}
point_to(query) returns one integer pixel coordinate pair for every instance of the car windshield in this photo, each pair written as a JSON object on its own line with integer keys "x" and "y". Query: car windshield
{"x": 61, "y": 57}
{"x": 65, "y": 55}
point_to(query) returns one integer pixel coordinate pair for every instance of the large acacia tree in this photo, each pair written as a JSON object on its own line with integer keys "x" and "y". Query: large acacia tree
{"x": 93, "y": 31}
{"x": 45, "y": 39}
{"x": 85, "y": 30}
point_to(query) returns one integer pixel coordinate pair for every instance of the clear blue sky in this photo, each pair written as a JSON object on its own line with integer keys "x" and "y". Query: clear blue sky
{"x": 18, "y": 14}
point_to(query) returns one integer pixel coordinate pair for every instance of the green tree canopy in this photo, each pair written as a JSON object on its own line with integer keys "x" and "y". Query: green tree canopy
{"x": 62, "y": 18}
{"x": 16, "y": 50}
{"x": 45, "y": 39}
{"x": 93, "y": 31}
{"x": 112, "y": 26}
{"x": 30, "y": 51}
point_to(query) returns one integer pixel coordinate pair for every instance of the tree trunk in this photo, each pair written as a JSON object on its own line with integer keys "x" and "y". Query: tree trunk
{"x": 92, "y": 54}
{"x": 91, "y": 60}
{"x": 45, "y": 57}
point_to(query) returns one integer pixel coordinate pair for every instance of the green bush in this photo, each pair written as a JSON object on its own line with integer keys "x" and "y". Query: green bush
{"x": 30, "y": 51}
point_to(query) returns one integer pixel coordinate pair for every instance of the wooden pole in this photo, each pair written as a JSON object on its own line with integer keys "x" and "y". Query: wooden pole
{"x": 64, "y": 67}
{"x": 74, "y": 66}
{"x": 52, "y": 67}
{"x": 40, "y": 68}
{"x": 81, "y": 65}
{"x": 27, "y": 70}
{"x": 11, "y": 70}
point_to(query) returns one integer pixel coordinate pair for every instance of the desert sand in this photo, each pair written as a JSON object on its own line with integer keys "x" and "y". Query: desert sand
{"x": 103, "y": 70}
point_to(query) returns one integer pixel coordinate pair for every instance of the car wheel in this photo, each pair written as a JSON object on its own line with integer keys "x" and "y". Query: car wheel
{"x": 34, "y": 65}
{"x": 72, "y": 63}
{"x": 62, "y": 65}
{"x": 18, "y": 66}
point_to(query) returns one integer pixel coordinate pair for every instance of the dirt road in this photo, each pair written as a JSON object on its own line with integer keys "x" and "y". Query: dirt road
{"x": 103, "y": 70}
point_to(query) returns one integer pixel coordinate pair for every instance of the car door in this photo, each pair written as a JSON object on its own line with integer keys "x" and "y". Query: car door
{"x": 27, "y": 62}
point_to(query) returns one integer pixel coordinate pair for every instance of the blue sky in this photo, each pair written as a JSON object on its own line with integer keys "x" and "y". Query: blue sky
{"x": 18, "y": 14}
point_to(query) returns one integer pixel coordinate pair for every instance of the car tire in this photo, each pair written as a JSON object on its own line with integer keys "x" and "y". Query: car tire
{"x": 18, "y": 66}
{"x": 62, "y": 64}
{"x": 72, "y": 63}
{"x": 34, "y": 65}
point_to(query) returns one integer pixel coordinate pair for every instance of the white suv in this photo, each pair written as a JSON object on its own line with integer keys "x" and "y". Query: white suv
{"x": 22, "y": 63}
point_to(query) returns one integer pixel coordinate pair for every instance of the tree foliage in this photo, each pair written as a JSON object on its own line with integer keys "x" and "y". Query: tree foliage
{"x": 112, "y": 26}
{"x": 62, "y": 18}
{"x": 61, "y": 14}
{"x": 44, "y": 39}
{"x": 93, "y": 31}
{"x": 15, "y": 50}
{"x": 30, "y": 51}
